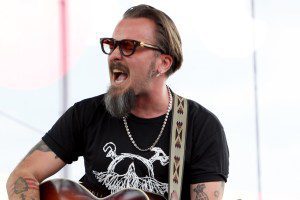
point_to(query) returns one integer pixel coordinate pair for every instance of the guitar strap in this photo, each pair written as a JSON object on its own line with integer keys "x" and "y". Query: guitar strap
{"x": 177, "y": 145}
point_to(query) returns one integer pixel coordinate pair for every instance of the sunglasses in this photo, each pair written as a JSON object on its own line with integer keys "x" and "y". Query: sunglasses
{"x": 127, "y": 47}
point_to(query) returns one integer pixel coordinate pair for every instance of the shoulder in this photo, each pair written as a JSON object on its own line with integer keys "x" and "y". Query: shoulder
{"x": 202, "y": 117}
{"x": 91, "y": 103}
{"x": 86, "y": 109}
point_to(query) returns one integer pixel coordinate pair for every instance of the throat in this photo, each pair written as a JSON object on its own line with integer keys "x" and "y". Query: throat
{"x": 120, "y": 78}
{"x": 152, "y": 108}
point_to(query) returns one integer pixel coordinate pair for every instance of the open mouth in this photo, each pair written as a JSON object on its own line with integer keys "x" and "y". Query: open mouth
{"x": 119, "y": 76}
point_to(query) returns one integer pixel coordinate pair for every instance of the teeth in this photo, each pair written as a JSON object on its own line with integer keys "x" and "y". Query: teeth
{"x": 117, "y": 71}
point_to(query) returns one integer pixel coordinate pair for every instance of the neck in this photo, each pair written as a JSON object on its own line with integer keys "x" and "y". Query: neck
{"x": 152, "y": 104}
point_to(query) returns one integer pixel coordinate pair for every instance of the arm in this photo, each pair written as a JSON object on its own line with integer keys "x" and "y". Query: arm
{"x": 38, "y": 164}
{"x": 207, "y": 191}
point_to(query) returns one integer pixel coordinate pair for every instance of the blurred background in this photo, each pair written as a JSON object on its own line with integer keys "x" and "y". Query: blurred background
{"x": 50, "y": 58}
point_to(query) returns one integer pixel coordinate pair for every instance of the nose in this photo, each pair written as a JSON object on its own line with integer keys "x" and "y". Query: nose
{"x": 116, "y": 54}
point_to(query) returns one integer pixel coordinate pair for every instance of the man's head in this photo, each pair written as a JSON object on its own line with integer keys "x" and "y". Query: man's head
{"x": 144, "y": 50}
{"x": 166, "y": 34}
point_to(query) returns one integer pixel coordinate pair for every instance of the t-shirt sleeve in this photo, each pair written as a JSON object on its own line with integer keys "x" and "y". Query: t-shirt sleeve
{"x": 65, "y": 138}
{"x": 210, "y": 154}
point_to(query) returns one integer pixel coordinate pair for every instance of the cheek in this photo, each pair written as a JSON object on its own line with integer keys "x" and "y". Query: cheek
{"x": 140, "y": 68}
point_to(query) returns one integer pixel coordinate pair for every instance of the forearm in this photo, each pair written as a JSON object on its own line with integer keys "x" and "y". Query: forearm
{"x": 38, "y": 164}
{"x": 22, "y": 185}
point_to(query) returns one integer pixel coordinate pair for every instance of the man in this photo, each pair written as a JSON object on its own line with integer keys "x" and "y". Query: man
{"x": 124, "y": 134}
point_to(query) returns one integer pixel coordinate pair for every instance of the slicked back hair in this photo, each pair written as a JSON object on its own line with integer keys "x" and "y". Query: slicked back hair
{"x": 167, "y": 35}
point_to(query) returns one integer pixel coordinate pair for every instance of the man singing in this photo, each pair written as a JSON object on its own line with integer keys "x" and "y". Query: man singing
{"x": 124, "y": 134}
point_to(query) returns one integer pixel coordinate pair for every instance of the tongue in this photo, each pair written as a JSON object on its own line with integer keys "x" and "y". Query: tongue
{"x": 121, "y": 78}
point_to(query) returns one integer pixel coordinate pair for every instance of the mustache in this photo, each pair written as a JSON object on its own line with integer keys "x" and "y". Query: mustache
{"x": 119, "y": 66}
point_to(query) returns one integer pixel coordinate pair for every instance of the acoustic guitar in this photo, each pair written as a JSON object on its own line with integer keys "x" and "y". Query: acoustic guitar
{"x": 64, "y": 189}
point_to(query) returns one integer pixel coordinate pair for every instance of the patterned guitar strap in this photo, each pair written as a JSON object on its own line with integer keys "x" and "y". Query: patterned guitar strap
{"x": 177, "y": 145}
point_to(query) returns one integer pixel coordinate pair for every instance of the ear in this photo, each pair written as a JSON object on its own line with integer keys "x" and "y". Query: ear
{"x": 165, "y": 63}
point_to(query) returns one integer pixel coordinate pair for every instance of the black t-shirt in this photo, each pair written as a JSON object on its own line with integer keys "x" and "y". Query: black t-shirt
{"x": 112, "y": 162}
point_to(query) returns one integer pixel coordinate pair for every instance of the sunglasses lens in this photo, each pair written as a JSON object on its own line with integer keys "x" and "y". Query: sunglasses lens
{"x": 127, "y": 47}
{"x": 107, "y": 45}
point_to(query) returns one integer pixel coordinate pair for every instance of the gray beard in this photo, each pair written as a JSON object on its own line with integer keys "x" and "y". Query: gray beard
{"x": 119, "y": 105}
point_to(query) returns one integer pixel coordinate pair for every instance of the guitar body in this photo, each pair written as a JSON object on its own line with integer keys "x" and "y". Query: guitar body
{"x": 63, "y": 189}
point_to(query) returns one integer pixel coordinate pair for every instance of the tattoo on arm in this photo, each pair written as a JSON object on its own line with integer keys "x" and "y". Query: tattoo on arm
{"x": 41, "y": 146}
{"x": 23, "y": 185}
{"x": 208, "y": 191}
{"x": 200, "y": 194}
{"x": 219, "y": 192}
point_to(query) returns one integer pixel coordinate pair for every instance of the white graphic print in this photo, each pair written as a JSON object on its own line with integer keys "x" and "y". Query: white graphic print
{"x": 115, "y": 182}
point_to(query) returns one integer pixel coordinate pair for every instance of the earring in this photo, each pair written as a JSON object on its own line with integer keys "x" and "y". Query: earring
{"x": 158, "y": 74}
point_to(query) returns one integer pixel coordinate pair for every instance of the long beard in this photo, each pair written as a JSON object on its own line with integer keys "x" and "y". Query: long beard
{"x": 119, "y": 105}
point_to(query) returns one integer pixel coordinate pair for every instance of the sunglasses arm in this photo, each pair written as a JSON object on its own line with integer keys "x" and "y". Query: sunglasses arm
{"x": 142, "y": 44}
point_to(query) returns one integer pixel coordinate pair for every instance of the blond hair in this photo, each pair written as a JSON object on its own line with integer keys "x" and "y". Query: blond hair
{"x": 167, "y": 35}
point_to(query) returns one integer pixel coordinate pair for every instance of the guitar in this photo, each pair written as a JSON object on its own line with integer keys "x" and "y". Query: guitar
{"x": 64, "y": 189}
